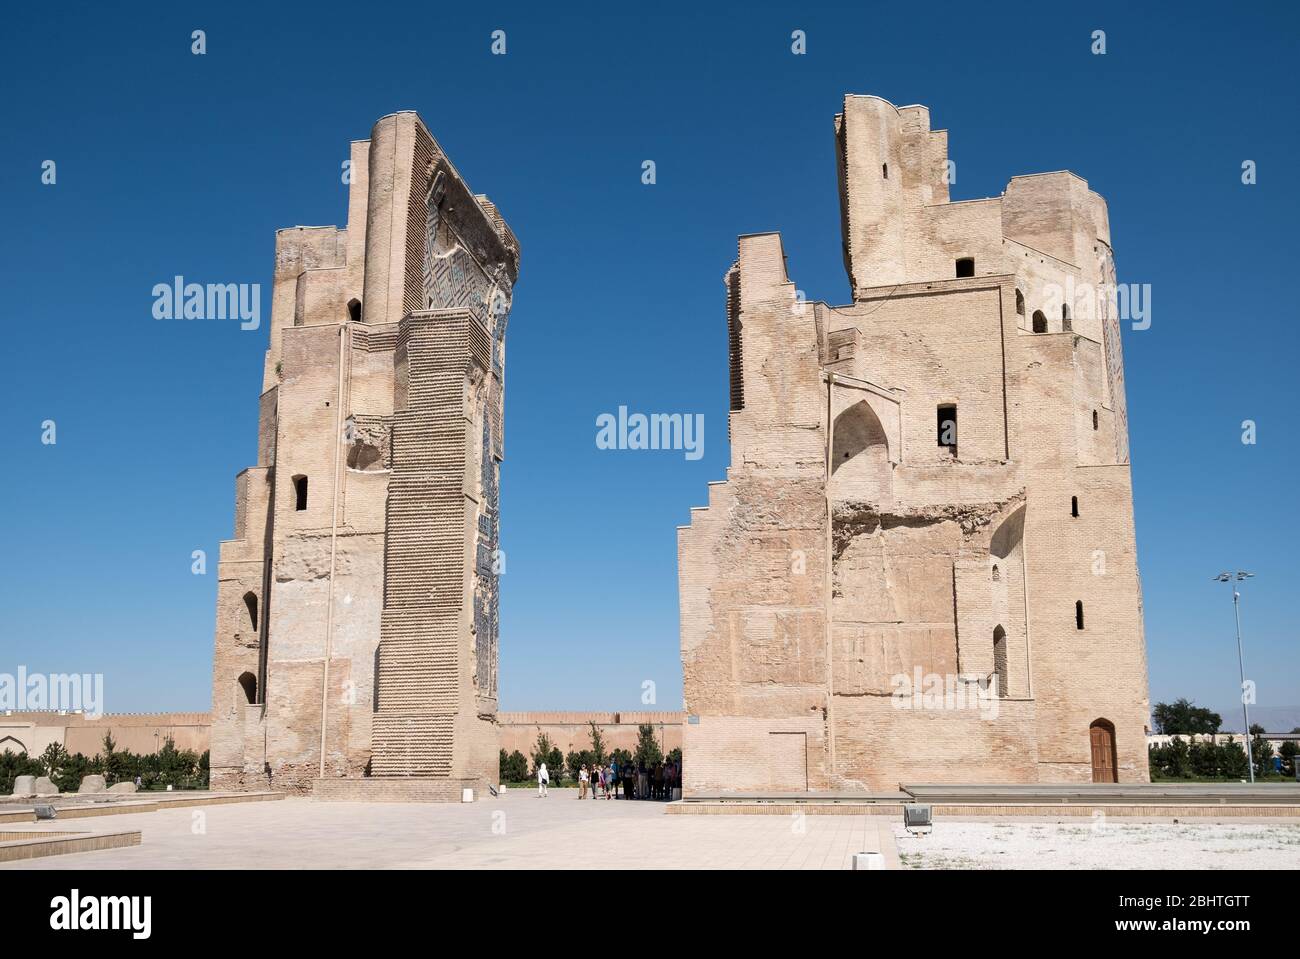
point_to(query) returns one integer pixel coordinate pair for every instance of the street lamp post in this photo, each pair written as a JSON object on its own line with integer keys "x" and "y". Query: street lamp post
{"x": 1235, "y": 578}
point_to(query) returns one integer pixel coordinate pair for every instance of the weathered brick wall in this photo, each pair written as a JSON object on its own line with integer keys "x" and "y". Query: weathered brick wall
{"x": 570, "y": 732}
{"x": 348, "y": 403}
{"x": 963, "y": 564}
{"x": 137, "y": 732}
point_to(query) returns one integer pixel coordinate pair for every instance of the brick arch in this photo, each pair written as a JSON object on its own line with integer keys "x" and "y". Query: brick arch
{"x": 1008, "y": 534}
{"x": 860, "y": 464}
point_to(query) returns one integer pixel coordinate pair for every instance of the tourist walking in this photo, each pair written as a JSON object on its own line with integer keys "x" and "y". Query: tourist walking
{"x": 543, "y": 779}
{"x": 584, "y": 778}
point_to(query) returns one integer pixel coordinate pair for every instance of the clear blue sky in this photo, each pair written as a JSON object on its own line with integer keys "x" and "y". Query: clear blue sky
{"x": 170, "y": 163}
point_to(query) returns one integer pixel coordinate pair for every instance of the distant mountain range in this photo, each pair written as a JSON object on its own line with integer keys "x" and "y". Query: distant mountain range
{"x": 1274, "y": 719}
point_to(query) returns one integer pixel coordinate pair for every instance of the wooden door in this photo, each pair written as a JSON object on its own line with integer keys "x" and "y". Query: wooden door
{"x": 1102, "y": 737}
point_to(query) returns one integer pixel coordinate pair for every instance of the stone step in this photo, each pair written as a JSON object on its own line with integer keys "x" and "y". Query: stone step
{"x": 396, "y": 789}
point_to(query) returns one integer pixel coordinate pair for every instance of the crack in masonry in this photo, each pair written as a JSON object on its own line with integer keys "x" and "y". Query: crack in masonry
{"x": 852, "y": 519}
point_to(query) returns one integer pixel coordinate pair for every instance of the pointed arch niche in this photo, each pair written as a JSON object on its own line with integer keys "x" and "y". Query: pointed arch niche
{"x": 865, "y": 444}
{"x": 1006, "y": 585}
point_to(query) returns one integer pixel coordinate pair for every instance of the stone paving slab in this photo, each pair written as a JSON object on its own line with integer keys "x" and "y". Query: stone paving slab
{"x": 517, "y": 830}
{"x": 520, "y": 831}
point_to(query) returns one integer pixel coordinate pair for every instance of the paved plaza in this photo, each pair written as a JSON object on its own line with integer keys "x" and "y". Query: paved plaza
{"x": 521, "y": 831}
{"x": 516, "y": 831}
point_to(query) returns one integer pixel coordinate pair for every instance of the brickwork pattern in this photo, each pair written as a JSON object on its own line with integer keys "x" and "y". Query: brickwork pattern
{"x": 819, "y": 587}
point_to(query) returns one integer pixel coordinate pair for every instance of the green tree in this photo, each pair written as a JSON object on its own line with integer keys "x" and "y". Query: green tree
{"x": 13, "y": 765}
{"x": 1203, "y": 758}
{"x": 1261, "y": 750}
{"x": 53, "y": 759}
{"x": 647, "y": 746}
{"x": 1287, "y": 753}
{"x": 516, "y": 768}
{"x": 113, "y": 761}
{"x": 541, "y": 750}
{"x": 1185, "y": 718}
{"x": 176, "y": 767}
{"x": 547, "y": 752}
{"x": 1232, "y": 759}
{"x": 73, "y": 769}
{"x": 576, "y": 760}
{"x": 597, "y": 743}
{"x": 1156, "y": 762}
{"x": 1179, "y": 759}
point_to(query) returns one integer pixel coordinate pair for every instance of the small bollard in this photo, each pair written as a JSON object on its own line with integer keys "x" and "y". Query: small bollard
{"x": 467, "y": 795}
{"x": 868, "y": 860}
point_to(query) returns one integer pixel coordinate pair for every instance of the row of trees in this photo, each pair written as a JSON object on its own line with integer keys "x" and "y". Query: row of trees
{"x": 169, "y": 766}
{"x": 1180, "y": 759}
{"x": 515, "y": 766}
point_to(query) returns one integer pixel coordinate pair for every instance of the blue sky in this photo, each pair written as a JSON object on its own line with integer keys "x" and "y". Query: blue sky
{"x": 170, "y": 163}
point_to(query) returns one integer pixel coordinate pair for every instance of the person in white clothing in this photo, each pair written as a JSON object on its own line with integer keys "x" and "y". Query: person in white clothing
{"x": 543, "y": 777}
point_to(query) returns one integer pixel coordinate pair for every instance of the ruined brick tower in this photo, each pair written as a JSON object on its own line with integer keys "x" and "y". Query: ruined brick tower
{"x": 929, "y": 492}
{"x": 356, "y": 636}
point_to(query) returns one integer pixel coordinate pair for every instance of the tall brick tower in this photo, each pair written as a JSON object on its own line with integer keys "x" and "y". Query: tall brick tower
{"x": 356, "y": 639}
{"x": 929, "y": 490}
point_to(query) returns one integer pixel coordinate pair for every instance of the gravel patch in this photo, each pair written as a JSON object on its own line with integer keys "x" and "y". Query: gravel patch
{"x": 1101, "y": 844}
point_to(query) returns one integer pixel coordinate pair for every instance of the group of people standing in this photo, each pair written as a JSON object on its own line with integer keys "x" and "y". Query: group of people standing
{"x": 639, "y": 780}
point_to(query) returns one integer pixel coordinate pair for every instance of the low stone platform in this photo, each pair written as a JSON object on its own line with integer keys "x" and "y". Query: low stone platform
{"x": 395, "y": 789}
{"x": 1237, "y": 794}
{"x": 983, "y": 810}
{"x": 77, "y": 806}
{"x": 18, "y": 845}
{"x": 1137, "y": 800}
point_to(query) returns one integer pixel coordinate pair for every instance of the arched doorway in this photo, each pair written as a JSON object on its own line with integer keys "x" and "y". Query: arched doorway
{"x": 248, "y": 683}
{"x": 1101, "y": 737}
